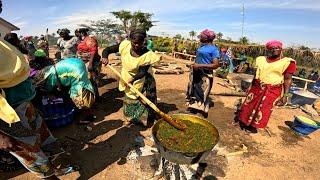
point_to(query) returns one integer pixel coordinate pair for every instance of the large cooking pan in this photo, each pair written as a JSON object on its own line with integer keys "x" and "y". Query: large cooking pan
{"x": 182, "y": 157}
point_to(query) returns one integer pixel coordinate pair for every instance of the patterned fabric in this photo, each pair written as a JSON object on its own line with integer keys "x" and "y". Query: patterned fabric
{"x": 31, "y": 133}
{"x": 72, "y": 75}
{"x": 68, "y": 48}
{"x": 88, "y": 46}
{"x": 274, "y": 43}
{"x": 209, "y": 34}
{"x": 135, "y": 110}
{"x": 257, "y": 108}
{"x": 85, "y": 100}
{"x": 198, "y": 91}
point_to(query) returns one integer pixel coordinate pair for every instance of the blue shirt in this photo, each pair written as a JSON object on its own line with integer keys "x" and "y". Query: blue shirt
{"x": 206, "y": 53}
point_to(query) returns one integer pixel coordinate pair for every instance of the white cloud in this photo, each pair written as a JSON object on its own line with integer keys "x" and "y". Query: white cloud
{"x": 185, "y": 8}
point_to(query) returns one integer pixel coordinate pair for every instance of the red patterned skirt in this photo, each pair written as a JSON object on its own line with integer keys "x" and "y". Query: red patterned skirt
{"x": 257, "y": 108}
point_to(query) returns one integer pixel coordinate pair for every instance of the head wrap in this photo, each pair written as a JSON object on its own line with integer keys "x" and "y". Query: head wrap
{"x": 40, "y": 53}
{"x": 82, "y": 30}
{"x": 138, "y": 33}
{"x": 28, "y": 38}
{"x": 223, "y": 49}
{"x": 64, "y": 31}
{"x": 274, "y": 43}
{"x": 11, "y": 38}
{"x": 209, "y": 34}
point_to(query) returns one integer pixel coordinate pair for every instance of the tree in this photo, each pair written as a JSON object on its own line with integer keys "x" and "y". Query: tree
{"x": 244, "y": 40}
{"x": 53, "y": 34}
{"x": 304, "y": 47}
{"x": 133, "y": 20}
{"x": 219, "y": 36}
{"x": 229, "y": 39}
{"x": 103, "y": 29}
{"x": 192, "y": 34}
{"x": 178, "y": 36}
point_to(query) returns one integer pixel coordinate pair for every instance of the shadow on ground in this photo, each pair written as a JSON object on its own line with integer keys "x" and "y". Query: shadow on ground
{"x": 289, "y": 137}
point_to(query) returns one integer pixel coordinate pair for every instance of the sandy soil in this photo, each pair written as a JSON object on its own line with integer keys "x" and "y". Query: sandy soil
{"x": 101, "y": 153}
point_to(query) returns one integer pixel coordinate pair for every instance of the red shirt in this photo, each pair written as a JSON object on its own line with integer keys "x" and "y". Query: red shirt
{"x": 88, "y": 45}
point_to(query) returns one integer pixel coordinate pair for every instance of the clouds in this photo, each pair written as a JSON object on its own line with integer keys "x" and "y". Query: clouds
{"x": 264, "y": 19}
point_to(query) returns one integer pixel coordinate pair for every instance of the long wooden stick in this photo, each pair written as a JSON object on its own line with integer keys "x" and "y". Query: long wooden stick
{"x": 166, "y": 117}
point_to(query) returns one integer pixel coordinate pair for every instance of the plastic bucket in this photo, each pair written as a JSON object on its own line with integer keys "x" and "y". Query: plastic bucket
{"x": 56, "y": 112}
{"x": 304, "y": 126}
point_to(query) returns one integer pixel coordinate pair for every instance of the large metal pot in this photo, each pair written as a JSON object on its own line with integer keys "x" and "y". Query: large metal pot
{"x": 302, "y": 97}
{"x": 181, "y": 157}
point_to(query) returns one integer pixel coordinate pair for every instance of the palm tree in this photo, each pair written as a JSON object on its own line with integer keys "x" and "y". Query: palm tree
{"x": 244, "y": 40}
{"x": 192, "y": 34}
{"x": 219, "y": 36}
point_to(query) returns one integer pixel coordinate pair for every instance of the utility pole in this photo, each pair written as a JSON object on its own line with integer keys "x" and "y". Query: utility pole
{"x": 242, "y": 20}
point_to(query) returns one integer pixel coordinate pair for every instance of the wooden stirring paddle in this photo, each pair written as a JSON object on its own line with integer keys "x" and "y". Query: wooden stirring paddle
{"x": 165, "y": 116}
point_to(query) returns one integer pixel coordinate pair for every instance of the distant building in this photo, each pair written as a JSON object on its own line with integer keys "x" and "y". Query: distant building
{"x": 6, "y": 27}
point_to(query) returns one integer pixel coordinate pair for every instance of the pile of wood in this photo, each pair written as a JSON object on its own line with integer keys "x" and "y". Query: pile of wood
{"x": 170, "y": 68}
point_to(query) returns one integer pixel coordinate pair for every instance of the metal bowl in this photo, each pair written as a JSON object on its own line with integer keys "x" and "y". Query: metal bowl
{"x": 182, "y": 157}
{"x": 302, "y": 97}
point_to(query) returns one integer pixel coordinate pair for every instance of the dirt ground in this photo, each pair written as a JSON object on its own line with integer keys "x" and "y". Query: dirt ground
{"x": 101, "y": 153}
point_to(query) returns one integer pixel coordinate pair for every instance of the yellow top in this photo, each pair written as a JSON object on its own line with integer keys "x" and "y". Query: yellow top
{"x": 14, "y": 69}
{"x": 130, "y": 67}
{"x": 271, "y": 73}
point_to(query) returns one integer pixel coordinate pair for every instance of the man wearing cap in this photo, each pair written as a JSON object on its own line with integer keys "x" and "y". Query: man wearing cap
{"x": 270, "y": 87}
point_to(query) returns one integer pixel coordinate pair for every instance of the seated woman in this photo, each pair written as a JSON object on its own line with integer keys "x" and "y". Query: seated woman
{"x": 136, "y": 69}
{"x": 201, "y": 76}
{"x": 69, "y": 78}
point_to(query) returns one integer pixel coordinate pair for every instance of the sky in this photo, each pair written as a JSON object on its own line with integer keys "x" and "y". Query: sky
{"x": 294, "y": 22}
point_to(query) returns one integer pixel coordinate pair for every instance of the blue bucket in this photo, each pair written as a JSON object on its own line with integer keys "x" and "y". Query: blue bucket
{"x": 56, "y": 112}
{"x": 304, "y": 127}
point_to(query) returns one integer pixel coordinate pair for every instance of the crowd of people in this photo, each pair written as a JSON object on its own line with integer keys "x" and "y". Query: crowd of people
{"x": 27, "y": 72}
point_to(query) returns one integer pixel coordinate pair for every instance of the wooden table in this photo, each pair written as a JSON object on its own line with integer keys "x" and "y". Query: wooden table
{"x": 306, "y": 80}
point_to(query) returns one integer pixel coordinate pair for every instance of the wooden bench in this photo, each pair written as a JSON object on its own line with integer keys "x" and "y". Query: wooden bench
{"x": 189, "y": 56}
{"x": 306, "y": 80}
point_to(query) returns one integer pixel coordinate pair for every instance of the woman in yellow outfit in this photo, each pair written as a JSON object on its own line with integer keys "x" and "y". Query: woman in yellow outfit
{"x": 270, "y": 87}
{"x": 136, "y": 69}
